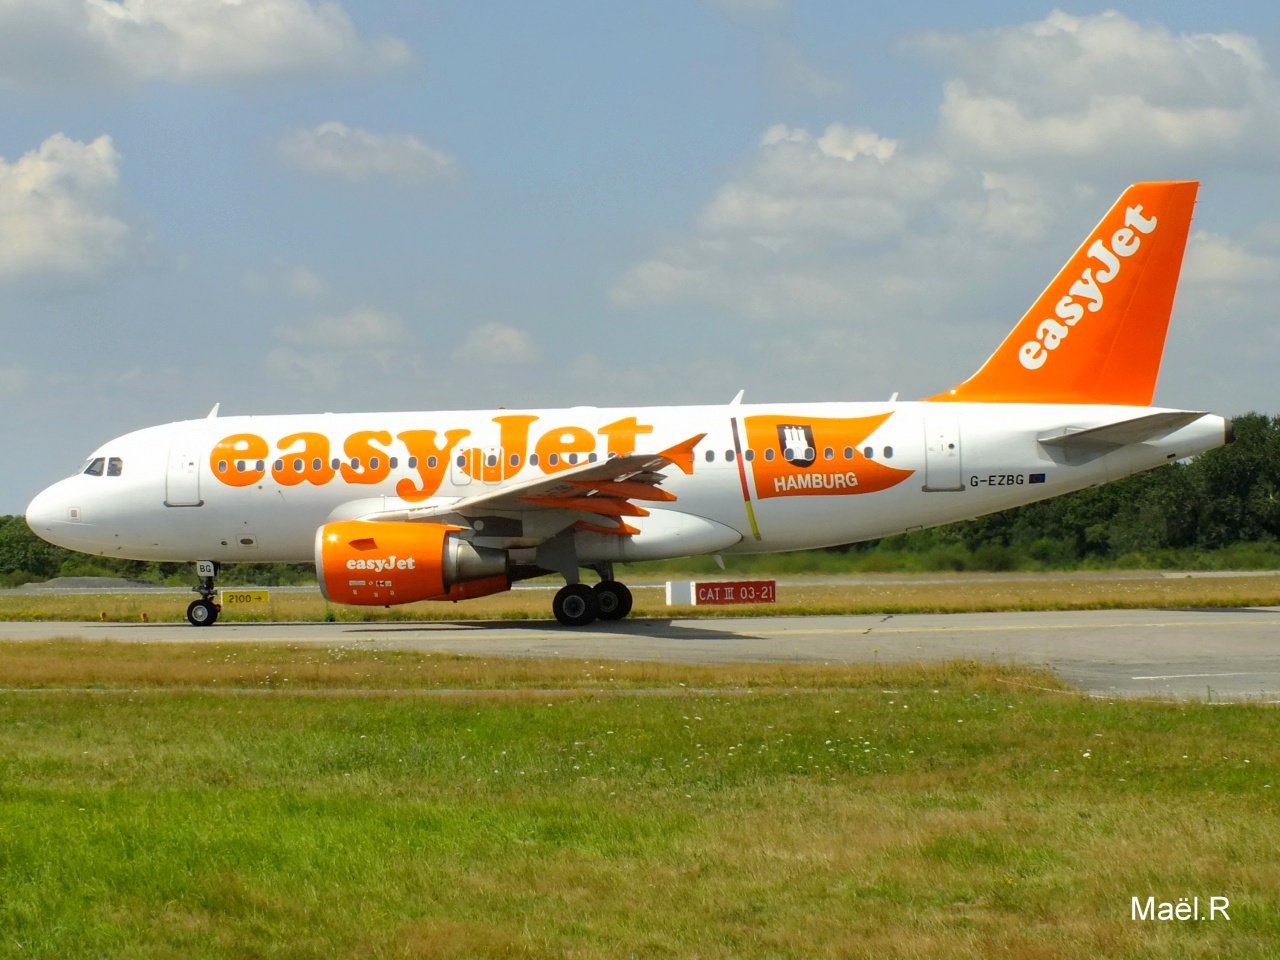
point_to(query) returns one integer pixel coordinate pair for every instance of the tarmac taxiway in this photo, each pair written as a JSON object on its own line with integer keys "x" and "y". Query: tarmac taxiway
{"x": 1214, "y": 654}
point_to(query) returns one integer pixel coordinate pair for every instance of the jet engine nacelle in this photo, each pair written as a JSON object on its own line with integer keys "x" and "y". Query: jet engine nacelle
{"x": 367, "y": 563}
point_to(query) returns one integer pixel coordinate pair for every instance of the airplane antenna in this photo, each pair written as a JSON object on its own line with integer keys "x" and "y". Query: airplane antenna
{"x": 738, "y": 399}
{"x": 213, "y": 414}
{"x": 894, "y": 398}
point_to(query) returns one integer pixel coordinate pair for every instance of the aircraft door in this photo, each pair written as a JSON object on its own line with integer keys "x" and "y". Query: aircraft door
{"x": 182, "y": 481}
{"x": 942, "y": 452}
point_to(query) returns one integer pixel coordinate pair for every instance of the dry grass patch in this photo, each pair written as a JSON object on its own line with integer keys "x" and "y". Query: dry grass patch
{"x": 70, "y": 663}
{"x": 957, "y": 594}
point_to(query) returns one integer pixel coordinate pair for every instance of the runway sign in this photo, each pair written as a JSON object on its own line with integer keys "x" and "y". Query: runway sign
{"x": 690, "y": 593}
{"x": 243, "y": 598}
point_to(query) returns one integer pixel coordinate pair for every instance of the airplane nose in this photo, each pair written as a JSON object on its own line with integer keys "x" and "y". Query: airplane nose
{"x": 49, "y": 512}
{"x": 40, "y": 512}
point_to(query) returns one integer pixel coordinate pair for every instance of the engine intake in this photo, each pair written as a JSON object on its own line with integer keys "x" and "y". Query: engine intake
{"x": 367, "y": 563}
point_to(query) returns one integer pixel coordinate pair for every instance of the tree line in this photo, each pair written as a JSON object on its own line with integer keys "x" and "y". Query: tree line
{"x": 1218, "y": 510}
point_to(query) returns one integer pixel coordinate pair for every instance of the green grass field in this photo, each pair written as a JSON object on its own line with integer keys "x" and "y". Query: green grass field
{"x": 188, "y": 801}
{"x": 923, "y": 594}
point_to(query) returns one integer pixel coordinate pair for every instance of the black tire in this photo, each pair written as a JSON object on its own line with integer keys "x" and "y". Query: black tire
{"x": 202, "y": 613}
{"x": 613, "y": 599}
{"x": 575, "y": 605}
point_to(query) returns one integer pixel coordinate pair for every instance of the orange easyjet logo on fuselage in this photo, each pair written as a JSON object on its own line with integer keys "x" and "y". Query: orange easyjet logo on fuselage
{"x": 1124, "y": 243}
{"x": 244, "y": 459}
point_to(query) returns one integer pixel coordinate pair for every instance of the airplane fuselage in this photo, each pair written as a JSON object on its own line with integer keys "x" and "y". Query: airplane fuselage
{"x": 764, "y": 478}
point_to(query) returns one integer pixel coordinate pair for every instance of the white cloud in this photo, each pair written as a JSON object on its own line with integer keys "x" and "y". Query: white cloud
{"x": 54, "y": 211}
{"x": 362, "y": 328}
{"x": 362, "y": 347}
{"x": 298, "y": 282}
{"x": 495, "y": 344}
{"x": 75, "y": 43}
{"x": 827, "y": 226}
{"x": 305, "y": 284}
{"x": 849, "y": 226}
{"x": 1104, "y": 86}
{"x": 1214, "y": 259}
{"x": 791, "y": 70}
{"x": 335, "y": 149}
{"x": 13, "y": 380}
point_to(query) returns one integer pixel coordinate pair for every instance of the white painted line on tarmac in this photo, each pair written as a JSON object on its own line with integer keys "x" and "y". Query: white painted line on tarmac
{"x": 1192, "y": 676}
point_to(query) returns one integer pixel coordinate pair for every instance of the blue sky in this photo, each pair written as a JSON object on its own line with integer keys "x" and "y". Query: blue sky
{"x": 288, "y": 205}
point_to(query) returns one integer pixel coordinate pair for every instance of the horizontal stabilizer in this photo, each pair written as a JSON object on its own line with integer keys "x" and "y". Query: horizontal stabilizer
{"x": 1115, "y": 435}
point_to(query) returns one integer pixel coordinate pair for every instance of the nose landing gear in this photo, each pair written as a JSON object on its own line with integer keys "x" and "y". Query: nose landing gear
{"x": 204, "y": 612}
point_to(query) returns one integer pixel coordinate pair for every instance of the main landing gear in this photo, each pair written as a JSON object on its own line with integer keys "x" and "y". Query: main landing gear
{"x": 204, "y": 612}
{"x": 576, "y": 604}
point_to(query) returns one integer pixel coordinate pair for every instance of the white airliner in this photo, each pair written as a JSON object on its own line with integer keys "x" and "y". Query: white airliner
{"x": 401, "y": 507}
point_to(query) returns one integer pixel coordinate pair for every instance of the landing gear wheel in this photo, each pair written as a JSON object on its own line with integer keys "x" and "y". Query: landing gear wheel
{"x": 613, "y": 599}
{"x": 575, "y": 605}
{"x": 202, "y": 613}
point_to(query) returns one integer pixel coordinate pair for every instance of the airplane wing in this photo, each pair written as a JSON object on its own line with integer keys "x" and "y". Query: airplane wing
{"x": 598, "y": 496}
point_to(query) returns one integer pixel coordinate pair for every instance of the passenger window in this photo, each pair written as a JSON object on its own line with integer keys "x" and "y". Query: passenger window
{"x": 462, "y": 460}
{"x": 239, "y": 466}
{"x": 431, "y": 463}
{"x": 868, "y": 452}
{"x": 222, "y": 466}
{"x": 750, "y": 454}
{"x": 373, "y": 463}
{"x": 490, "y": 461}
{"x": 729, "y": 456}
{"x": 278, "y": 466}
{"x": 395, "y": 463}
{"x": 533, "y": 459}
{"x": 592, "y": 458}
{"x": 768, "y": 454}
{"x": 888, "y": 453}
{"x": 553, "y": 459}
{"x": 413, "y": 463}
{"x": 355, "y": 463}
{"x": 94, "y": 469}
{"x": 711, "y": 456}
{"x": 515, "y": 459}
{"x": 848, "y": 453}
{"x": 828, "y": 454}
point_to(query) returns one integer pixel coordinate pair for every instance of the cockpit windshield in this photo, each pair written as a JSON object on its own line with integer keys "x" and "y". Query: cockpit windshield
{"x": 100, "y": 466}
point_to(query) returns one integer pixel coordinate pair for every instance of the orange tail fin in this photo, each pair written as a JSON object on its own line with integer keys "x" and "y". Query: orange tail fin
{"x": 1096, "y": 335}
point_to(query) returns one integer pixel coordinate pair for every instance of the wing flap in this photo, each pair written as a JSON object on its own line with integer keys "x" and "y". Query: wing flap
{"x": 603, "y": 489}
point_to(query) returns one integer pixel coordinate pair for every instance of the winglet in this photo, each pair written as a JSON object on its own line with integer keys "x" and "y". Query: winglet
{"x": 1096, "y": 335}
{"x": 681, "y": 455}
